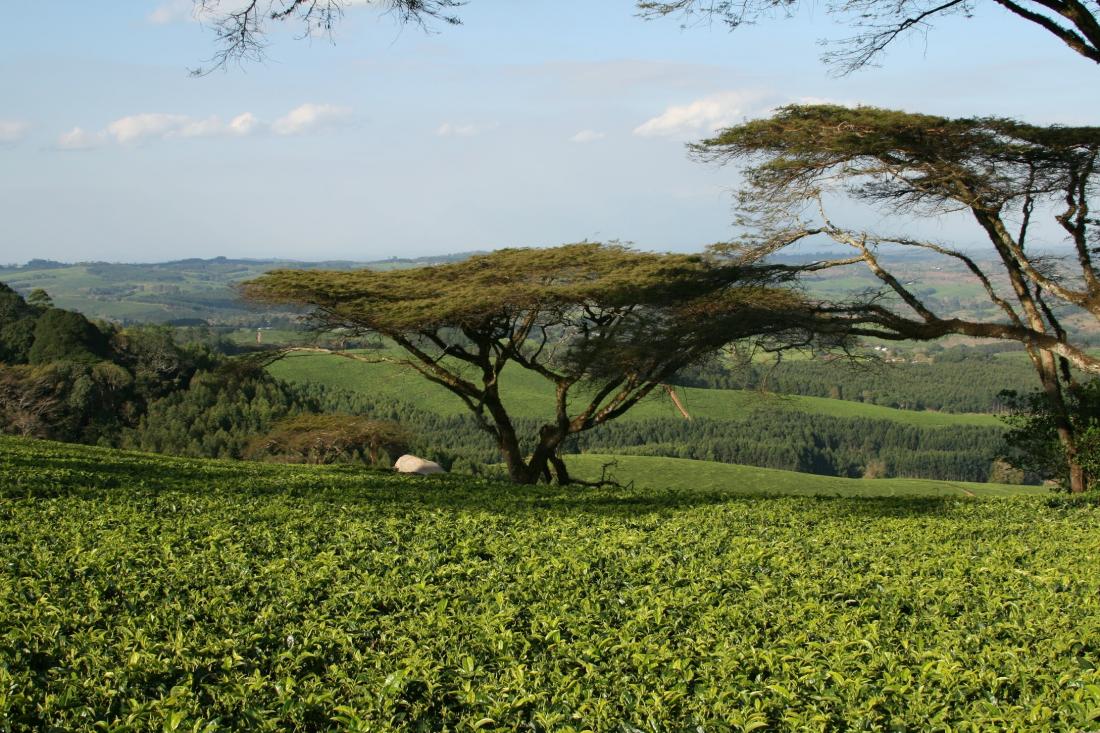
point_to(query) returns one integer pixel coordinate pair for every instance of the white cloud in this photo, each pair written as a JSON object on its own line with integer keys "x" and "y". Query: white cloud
{"x": 12, "y": 131}
{"x": 708, "y": 114}
{"x": 162, "y": 126}
{"x": 152, "y": 124}
{"x": 307, "y": 117}
{"x": 705, "y": 115}
{"x": 587, "y": 136}
{"x": 244, "y": 124}
{"x": 79, "y": 139}
{"x": 452, "y": 129}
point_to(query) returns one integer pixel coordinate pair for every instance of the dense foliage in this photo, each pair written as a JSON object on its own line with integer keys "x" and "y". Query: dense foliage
{"x": 217, "y": 415}
{"x": 331, "y": 439}
{"x": 810, "y": 443}
{"x": 1032, "y": 444}
{"x": 150, "y": 593}
{"x": 152, "y": 388}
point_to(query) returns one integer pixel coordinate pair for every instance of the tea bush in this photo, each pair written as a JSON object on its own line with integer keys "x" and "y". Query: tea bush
{"x": 141, "y": 592}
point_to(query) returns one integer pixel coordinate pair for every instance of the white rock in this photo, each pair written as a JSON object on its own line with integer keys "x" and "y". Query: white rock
{"x": 411, "y": 464}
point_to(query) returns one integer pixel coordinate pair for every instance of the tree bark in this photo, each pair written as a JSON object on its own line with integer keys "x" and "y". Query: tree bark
{"x": 560, "y": 470}
{"x": 1048, "y": 373}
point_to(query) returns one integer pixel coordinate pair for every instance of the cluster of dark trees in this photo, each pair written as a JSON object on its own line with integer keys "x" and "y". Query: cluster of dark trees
{"x": 150, "y": 388}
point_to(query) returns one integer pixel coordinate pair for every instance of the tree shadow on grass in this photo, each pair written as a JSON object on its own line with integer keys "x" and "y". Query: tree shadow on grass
{"x": 83, "y": 472}
{"x": 640, "y": 502}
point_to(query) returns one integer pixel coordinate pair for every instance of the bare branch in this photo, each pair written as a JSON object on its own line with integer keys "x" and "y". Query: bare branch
{"x": 241, "y": 31}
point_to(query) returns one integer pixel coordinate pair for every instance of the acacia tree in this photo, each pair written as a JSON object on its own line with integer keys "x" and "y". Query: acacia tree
{"x": 1005, "y": 175}
{"x": 604, "y": 325}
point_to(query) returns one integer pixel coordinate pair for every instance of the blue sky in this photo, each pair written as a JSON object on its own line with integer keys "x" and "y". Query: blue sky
{"x": 533, "y": 123}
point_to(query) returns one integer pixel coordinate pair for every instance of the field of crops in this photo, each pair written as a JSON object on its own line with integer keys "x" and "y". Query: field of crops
{"x": 141, "y": 592}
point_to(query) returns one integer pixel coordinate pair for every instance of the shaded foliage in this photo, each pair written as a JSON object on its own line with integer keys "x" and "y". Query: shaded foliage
{"x": 331, "y": 438}
{"x": 61, "y": 335}
{"x": 1032, "y": 443}
{"x": 217, "y": 415}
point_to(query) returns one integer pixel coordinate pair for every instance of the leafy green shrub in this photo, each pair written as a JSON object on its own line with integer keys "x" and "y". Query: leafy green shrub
{"x": 330, "y": 439}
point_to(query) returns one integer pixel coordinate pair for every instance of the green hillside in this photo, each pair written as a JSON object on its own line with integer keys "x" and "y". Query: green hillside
{"x": 166, "y": 291}
{"x": 140, "y": 592}
{"x": 653, "y": 472}
{"x": 528, "y": 395}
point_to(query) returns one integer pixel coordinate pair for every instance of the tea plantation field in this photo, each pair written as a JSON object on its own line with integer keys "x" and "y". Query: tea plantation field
{"x": 140, "y": 592}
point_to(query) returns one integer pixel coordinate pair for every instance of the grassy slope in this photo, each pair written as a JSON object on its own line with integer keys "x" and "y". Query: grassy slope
{"x": 528, "y": 396}
{"x": 652, "y": 472}
{"x": 148, "y": 593}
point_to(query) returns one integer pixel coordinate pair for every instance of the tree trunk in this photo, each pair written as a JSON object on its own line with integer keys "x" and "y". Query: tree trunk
{"x": 545, "y": 455}
{"x": 518, "y": 469}
{"x": 560, "y": 470}
{"x": 1048, "y": 372}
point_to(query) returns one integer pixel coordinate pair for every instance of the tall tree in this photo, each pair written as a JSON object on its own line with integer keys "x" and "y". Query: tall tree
{"x": 61, "y": 335}
{"x": 1005, "y": 175}
{"x": 602, "y": 324}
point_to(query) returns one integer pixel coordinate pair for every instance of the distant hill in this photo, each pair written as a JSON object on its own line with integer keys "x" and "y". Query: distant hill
{"x": 193, "y": 291}
{"x": 186, "y": 291}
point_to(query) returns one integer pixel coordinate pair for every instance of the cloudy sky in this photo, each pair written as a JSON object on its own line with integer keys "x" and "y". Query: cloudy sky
{"x": 533, "y": 123}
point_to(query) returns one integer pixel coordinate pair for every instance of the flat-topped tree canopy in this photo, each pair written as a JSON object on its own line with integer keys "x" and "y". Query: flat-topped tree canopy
{"x": 603, "y": 324}
{"x": 889, "y": 154}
